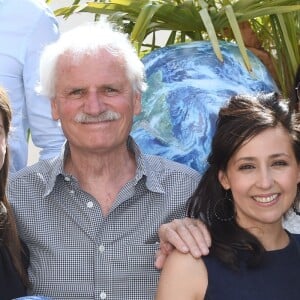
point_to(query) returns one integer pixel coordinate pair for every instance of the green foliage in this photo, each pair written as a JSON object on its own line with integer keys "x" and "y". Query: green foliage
{"x": 275, "y": 23}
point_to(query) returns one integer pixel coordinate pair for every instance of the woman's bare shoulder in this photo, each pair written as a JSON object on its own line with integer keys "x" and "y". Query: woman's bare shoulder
{"x": 182, "y": 276}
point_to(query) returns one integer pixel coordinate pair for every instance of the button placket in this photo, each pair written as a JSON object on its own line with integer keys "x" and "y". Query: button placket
{"x": 69, "y": 180}
{"x": 101, "y": 248}
{"x": 90, "y": 204}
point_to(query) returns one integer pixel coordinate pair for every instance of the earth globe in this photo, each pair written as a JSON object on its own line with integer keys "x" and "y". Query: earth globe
{"x": 187, "y": 85}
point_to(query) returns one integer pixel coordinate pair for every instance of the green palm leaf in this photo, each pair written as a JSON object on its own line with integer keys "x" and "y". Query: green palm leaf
{"x": 275, "y": 23}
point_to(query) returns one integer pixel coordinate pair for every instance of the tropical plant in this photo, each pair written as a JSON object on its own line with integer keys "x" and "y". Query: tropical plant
{"x": 269, "y": 28}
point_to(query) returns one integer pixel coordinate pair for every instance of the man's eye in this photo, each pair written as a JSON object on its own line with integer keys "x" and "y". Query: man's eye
{"x": 77, "y": 93}
{"x": 111, "y": 91}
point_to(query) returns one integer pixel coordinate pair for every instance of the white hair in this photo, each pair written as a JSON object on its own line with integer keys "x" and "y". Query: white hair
{"x": 89, "y": 39}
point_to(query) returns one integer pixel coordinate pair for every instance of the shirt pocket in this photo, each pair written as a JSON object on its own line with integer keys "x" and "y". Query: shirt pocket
{"x": 142, "y": 274}
{"x": 141, "y": 257}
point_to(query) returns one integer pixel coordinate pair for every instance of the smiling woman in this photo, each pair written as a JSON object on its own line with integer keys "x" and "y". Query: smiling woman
{"x": 250, "y": 184}
{"x": 263, "y": 180}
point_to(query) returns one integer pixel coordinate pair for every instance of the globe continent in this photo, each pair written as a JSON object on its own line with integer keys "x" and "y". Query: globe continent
{"x": 187, "y": 85}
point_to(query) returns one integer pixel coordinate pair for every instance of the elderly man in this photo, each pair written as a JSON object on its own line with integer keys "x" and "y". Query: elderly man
{"x": 90, "y": 217}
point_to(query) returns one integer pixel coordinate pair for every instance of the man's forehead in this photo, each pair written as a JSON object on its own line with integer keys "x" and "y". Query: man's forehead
{"x": 77, "y": 57}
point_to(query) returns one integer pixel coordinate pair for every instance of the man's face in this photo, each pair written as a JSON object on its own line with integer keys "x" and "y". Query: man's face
{"x": 94, "y": 101}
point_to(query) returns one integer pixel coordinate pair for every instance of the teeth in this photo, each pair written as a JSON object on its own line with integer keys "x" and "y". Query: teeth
{"x": 265, "y": 199}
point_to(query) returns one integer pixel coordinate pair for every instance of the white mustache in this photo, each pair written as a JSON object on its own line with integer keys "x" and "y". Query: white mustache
{"x": 102, "y": 117}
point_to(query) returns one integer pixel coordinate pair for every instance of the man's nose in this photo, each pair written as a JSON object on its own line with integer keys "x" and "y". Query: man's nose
{"x": 94, "y": 103}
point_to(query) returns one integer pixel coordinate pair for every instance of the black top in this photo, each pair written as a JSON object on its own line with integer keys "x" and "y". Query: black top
{"x": 277, "y": 278}
{"x": 10, "y": 283}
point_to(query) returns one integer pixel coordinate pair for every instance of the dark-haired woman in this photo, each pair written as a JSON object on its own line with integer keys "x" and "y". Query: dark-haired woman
{"x": 13, "y": 277}
{"x": 251, "y": 183}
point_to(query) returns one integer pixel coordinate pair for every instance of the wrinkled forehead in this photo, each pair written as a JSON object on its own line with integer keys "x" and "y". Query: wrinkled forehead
{"x": 74, "y": 57}
{"x": 87, "y": 70}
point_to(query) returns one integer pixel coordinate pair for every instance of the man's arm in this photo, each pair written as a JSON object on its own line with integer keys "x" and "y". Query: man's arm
{"x": 45, "y": 132}
{"x": 186, "y": 235}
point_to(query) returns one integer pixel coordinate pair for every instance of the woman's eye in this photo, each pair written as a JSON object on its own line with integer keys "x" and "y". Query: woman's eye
{"x": 246, "y": 167}
{"x": 280, "y": 163}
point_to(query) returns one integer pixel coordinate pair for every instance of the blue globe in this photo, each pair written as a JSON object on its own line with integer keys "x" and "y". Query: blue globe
{"x": 187, "y": 85}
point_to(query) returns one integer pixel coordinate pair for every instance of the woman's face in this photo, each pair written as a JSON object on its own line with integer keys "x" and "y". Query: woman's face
{"x": 263, "y": 176}
{"x": 2, "y": 141}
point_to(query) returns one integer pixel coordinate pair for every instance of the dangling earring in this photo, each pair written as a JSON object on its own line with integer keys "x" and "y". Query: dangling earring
{"x": 3, "y": 215}
{"x": 224, "y": 208}
{"x": 295, "y": 209}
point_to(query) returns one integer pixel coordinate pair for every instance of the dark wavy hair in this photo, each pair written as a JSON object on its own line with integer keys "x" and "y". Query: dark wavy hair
{"x": 240, "y": 120}
{"x": 8, "y": 230}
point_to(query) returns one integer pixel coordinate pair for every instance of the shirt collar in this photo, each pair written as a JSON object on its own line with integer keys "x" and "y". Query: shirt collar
{"x": 143, "y": 168}
{"x": 57, "y": 169}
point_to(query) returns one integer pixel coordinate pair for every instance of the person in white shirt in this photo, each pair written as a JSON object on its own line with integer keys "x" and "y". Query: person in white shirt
{"x": 26, "y": 27}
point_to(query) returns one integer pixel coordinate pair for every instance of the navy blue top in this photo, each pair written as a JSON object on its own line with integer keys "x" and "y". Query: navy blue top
{"x": 278, "y": 278}
{"x": 10, "y": 283}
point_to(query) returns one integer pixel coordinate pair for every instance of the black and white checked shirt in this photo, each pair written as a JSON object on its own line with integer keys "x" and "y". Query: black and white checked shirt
{"x": 76, "y": 252}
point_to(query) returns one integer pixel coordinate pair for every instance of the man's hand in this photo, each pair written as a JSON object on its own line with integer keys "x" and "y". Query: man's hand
{"x": 186, "y": 235}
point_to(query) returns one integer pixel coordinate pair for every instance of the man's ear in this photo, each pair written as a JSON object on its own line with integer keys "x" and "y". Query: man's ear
{"x": 223, "y": 179}
{"x": 137, "y": 103}
{"x": 54, "y": 109}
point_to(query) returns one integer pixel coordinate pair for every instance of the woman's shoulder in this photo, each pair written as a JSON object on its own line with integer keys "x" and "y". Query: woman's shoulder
{"x": 184, "y": 260}
{"x": 186, "y": 276}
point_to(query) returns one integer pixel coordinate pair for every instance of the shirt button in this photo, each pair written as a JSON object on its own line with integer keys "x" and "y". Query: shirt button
{"x": 103, "y": 295}
{"x": 67, "y": 178}
{"x": 90, "y": 204}
{"x": 72, "y": 192}
{"x": 101, "y": 249}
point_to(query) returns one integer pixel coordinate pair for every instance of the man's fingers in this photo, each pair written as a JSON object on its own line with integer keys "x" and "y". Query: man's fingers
{"x": 187, "y": 230}
{"x": 198, "y": 238}
{"x": 160, "y": 258}
{"x": 186, "y": 235}
{"x": 169, "y": 236}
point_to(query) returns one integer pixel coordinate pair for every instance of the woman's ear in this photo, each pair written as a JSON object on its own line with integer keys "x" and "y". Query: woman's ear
{"x": 298, "y": 173}
{"x": 223, "y": 179}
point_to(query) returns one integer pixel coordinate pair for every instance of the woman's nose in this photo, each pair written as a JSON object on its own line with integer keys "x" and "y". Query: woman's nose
{"x": 265, "y": 178}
